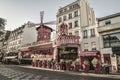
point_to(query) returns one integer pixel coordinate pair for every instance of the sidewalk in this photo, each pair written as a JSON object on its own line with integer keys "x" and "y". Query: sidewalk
{"x": 116, "y": 76}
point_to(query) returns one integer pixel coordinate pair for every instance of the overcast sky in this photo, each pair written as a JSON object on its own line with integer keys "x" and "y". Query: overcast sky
{"x": 18, "y": 12}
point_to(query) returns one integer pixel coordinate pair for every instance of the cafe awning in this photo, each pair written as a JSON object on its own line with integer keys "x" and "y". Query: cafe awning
{"x": 10, "y": 57}
{"x": 89, "y": 53}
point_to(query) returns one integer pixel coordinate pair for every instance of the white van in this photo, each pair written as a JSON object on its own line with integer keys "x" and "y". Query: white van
{"x": 11, "y": 57}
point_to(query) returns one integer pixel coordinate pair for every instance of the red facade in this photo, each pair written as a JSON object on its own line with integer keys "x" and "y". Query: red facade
{"x": 44, "y": 33}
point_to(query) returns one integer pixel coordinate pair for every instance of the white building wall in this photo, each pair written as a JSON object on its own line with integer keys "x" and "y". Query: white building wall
{"x": 84, "y": 13}
{"x": 29, "y": 34}
{"x": 113, "y": 20}
{"x": 90, "y": 39}
{"x": 114, "y": 27}
{"x": 86, "y": 21}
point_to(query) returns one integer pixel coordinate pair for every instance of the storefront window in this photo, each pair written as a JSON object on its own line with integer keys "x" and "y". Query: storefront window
{"x": 111, "y": 40}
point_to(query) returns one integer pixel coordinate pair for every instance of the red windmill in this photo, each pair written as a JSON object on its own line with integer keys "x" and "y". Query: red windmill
{"x": 44, "y": 32}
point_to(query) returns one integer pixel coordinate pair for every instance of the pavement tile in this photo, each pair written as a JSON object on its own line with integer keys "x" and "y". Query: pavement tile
{"x": 77, "y": 73}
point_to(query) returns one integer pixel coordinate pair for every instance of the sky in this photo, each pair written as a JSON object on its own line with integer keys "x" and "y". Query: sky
{"x": 18, "y": 12}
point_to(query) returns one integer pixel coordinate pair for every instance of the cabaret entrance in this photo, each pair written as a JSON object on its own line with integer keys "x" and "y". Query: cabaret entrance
{"x": 67, "y": 53}
{"x": 67, "y": 47}
{"x": 89, "y": 56}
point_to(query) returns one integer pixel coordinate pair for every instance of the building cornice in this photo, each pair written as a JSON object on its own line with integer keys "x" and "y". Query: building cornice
{"x": 109, "y": 16}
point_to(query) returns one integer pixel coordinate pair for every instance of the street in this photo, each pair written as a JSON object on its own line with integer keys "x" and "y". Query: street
{"x": 14, "y": 72}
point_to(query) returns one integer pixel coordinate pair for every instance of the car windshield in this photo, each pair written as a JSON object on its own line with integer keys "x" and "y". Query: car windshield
{"x": 12, "y": 54}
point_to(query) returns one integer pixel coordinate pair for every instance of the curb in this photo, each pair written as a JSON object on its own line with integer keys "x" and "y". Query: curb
{"x": 76, "y": 73}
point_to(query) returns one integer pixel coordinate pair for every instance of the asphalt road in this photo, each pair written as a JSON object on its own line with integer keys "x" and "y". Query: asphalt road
{"x": 14, "y": 72}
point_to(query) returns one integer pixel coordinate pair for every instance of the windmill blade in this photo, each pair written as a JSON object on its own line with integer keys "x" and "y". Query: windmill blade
{"x": 50, "y": 23}
{"x": 41, "y": 16}
{"x": 47, "y": 23}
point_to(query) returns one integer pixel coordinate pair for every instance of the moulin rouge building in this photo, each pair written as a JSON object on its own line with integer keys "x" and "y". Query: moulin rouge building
{"x": 63, "y": 47}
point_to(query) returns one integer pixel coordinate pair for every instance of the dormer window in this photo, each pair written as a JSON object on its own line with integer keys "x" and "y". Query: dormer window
{"x": 107, "y": 22}
{"x": 65, "y": 9}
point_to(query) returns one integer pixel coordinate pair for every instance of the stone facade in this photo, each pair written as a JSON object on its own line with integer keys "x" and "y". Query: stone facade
{"x": 80, "y": 18}
{"x": 109, "y": 30}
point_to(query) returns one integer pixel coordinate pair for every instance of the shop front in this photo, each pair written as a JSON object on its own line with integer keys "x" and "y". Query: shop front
{"x": 116, "y": 54}
{"x": 91, "y": 59}
{"x": 25, "y": 55}
{"x": 42, "y": 54}
{"x": 68, "y": 53}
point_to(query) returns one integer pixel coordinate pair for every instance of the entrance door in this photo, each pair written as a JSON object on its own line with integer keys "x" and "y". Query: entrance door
{"x": 90, "y": 58}
{"x": 69, "y": 53}
{"x": 107, "y": 58}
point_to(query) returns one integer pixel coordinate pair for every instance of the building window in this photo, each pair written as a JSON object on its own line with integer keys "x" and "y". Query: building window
{"x": 70, "y": 7}
{"x": 65, "y": 9}
{"x": 93, "y": 46}
{"x": 70, "y": 15}
{"x": 92, "y": 32}
{"x": 19, "y": 42}
{"x": 85, "y": 35}
{"x": 111, "y": 40}
{"x": 64, "y": 18}
{"x": 76, "y": 5}
{"x": 60, "y": 19}
{"x": 70, "y": 25}
{"x": 77, "y": 33}
{"x": 107, "y": 22}
{"x": 60, "y": 11}
{"x": 70, "y": 33}
{"x": 86, "y": 47}
{"x": 75, "y": 13}
{"x": 76, "y": 23}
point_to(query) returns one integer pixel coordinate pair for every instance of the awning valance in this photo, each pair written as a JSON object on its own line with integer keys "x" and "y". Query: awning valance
{"x": 89, "y": 53}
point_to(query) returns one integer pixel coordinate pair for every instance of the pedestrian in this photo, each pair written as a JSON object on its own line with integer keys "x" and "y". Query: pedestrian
{"x": 107, "y": 67}
{"x": 64, "y": 65}
{"x": 57, "y": 65}
{"x": 53, "y": 64}
{"x": 103, "y": 68}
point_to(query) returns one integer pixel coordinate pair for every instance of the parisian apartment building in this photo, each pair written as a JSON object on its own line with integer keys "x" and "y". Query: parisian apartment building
{"x": 109, "y": 30}
{"x": 4, "y": 42}
{"x": 80, "y": 18}
{"x": 101, "y": 35}
{"x": 20, "y": 36}
{"x": 15, "y": 39}
{"x": 2, "y": 34}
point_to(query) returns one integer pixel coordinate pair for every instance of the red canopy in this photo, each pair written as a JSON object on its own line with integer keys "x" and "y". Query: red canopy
{"x": 89, "y": 53}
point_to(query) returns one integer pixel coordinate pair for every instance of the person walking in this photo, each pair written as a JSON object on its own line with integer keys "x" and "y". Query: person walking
{"x": 107, "y": 67}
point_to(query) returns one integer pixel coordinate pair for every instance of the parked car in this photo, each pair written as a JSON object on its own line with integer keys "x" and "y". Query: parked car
{"x": 11, "y": 57}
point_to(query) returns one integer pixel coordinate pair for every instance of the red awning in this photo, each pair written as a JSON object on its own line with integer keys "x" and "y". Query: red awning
{"x": 89, "y": 53}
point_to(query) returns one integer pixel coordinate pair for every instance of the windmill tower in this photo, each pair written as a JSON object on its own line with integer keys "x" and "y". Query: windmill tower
{"x": 43, "y": 31}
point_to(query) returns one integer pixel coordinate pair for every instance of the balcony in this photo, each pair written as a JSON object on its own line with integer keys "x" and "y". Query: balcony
{"x": 107, "y": 28}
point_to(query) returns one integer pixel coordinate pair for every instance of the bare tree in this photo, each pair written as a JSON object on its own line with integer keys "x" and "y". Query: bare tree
{"x": 2, "y": 25}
